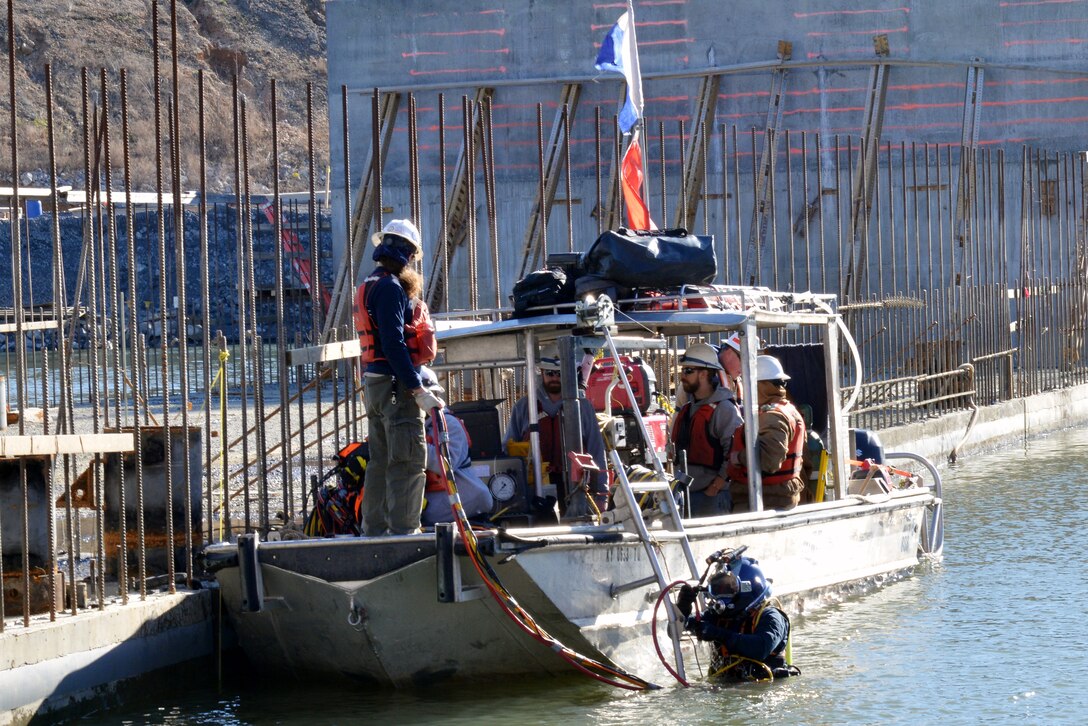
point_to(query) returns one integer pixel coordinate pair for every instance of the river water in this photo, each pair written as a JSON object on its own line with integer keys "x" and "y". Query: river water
{"x": 995, "y": 633}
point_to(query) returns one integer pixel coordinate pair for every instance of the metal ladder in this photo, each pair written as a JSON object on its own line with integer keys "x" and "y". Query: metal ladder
{"x": 660, "y": 489}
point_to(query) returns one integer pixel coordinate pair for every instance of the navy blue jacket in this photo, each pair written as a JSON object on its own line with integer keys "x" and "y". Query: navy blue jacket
{"x": 387, "y": 304}
{"x": 768, "y": 635}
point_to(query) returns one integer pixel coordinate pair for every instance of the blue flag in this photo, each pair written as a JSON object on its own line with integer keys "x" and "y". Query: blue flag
{"x": 619, "y": 54}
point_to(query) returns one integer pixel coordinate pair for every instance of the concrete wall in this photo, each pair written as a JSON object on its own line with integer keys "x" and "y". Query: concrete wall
{"x": 526, "y": 49}
{"x": 998, "y": 426}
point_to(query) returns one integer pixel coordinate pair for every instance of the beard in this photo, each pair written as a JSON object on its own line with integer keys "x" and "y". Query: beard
{"x": 690, "y": 387}
{"x": 552, "y": 385}
{"x": 411, "y": 281}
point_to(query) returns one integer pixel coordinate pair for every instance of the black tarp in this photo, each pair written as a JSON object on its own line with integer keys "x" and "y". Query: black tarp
{"x": 804, "y": 363}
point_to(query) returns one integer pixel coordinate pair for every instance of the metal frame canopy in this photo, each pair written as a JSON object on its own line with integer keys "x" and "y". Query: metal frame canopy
{"x": 469, "y": 341}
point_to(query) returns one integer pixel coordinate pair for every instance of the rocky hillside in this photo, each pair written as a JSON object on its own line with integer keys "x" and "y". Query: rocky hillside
{"x": 254, "y": 41}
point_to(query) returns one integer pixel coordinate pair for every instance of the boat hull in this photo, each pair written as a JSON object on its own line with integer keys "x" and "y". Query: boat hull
{"x": 382, "y": 620}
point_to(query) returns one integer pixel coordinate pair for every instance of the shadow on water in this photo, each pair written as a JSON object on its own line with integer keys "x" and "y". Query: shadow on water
{"x": 993, "y": 634}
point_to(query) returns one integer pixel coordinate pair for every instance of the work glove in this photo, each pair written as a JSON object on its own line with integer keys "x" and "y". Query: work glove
{"x": 685, "y": 599}
{"x": 427, "y": 400}
{"x": 709, "y": 631}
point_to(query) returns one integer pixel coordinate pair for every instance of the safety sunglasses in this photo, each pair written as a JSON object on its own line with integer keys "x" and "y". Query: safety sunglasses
{"x": 688, "y": 370}
{"x": 395, "y": 240}
{"x": 550, "y": 374}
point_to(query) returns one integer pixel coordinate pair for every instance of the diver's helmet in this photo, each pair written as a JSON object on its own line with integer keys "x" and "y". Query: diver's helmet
{"x": 740, "y": 588}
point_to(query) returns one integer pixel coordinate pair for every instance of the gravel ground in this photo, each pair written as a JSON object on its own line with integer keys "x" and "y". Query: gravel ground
{"x": 240, "y": 456}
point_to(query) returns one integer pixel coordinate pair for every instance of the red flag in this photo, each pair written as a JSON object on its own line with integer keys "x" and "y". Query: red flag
{"x": 638, "y": 217}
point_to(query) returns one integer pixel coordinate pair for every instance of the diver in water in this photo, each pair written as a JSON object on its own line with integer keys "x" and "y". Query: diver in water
{"x": 750, "y": 633}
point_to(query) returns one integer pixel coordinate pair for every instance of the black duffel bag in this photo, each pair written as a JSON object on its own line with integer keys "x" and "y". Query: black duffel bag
{"x": 652, "y": 258}
{"x": 541, "y": 288}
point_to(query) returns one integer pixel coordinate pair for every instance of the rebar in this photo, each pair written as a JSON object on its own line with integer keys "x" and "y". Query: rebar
{"x": 566, "y": 174}
{"x": 444, "y": 249}
{"x": 492, "y": 207}
{"x": 468, "y": 109}
{"x": 543, "y": 182}
{"x": 206, "y": 304}
{"x": 65, "y": 392}
{"x": 286, "y": 481}
{"x": 316, "y": 295}
{"x": 243, "y": 287}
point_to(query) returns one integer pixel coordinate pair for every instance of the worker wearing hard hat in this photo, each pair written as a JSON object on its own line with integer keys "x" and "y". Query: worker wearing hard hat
{"x": 396, "y": 337}
{"x": 703, "y": 429}
{"x": 780, "y": 444}
{"x": 553, "y": 450}
{"x": 729, "y": 357}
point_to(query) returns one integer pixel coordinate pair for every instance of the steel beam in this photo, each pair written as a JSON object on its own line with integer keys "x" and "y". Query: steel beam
{"x": 533, "y": 247}
{"x": 702, "y": 127}
{"x": 343, "y": 291}
{"x": 457, "y": 210}
{"x": 972, "y": 117}
{"x": 757, "y": 232}
{"x": 865, "y": 176}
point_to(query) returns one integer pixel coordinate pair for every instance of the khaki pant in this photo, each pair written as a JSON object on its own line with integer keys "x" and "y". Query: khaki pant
{"x": 396, "y": 473}
{"x": 776, "y": 496}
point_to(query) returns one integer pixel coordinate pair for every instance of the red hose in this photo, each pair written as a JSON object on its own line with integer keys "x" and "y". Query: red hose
{"x": 529, "y": 626}
{"x": 653, "y": 632}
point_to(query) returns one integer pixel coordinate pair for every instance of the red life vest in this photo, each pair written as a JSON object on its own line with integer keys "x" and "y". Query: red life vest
{"x": 435, "y": 483}
{"x": 418, "y": 329}
{"x": 791, "y": 465}
{"x": 551, "y": 445}
{"x": 692, "y": 434}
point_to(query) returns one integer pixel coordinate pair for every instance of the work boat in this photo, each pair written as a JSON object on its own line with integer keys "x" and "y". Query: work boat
{"x": 538, "y": 595}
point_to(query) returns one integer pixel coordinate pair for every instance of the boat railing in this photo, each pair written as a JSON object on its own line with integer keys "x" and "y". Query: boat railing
{"x": 904, "y": 399}
{"x": 689, "y": 297}
{"x": 932, "y": 535}
{"x": 481, "y": 315}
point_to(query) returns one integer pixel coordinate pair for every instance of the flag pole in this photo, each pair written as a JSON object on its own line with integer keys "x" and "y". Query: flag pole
{"x": 641, "y": 125}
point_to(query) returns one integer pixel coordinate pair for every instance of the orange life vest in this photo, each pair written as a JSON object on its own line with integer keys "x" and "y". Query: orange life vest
{"x": 692, "y": 434}
{"x": 418, "y": 329}
{"x": 791, "y": 465}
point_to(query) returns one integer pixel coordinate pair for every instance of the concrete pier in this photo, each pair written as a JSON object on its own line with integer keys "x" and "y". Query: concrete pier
{"x": 53, "y": 665}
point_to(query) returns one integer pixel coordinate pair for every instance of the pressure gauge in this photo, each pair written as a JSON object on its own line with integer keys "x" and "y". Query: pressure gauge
{"x": 502, "y": 485}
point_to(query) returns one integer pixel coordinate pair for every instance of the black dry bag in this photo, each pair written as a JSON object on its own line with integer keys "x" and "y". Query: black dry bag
{"x": 653, "y": 258}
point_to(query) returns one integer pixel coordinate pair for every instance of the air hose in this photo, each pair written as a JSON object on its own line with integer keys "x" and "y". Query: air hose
{"x": 611, "y": 675}
{"x": 856, "y": 392}
{"x": 721, "y": 556}
{"x": 653, "y": 631}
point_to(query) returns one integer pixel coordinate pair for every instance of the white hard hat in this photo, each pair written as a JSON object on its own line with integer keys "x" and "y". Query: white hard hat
{"x": 769, "y": 368}
{"x": 733, "y": 341}
{"x": 701, "y": 355}
{"x": 549, "y": 358}
{"x": 430, "y": 380}
{"x": 403, "y": 228}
